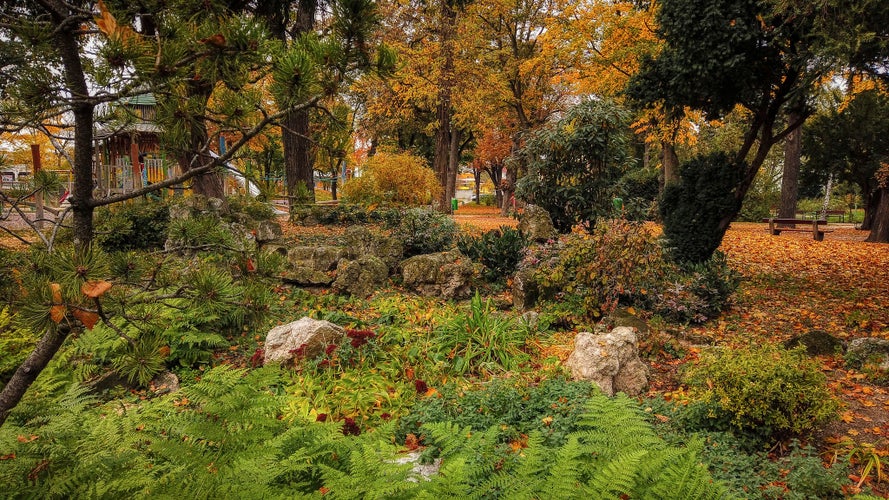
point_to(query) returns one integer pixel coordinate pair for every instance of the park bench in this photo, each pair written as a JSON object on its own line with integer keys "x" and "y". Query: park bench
{"x": 816, "y": 227}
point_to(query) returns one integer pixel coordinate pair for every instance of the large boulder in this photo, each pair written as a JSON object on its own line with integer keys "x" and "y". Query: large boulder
{"x": 267, "y": 230}
{"x": 868, "y": 350}
{"x": 361, "y": 277}
{"x": 308, "y": 277}
{"x": 303, "y": 338}
{"x": 360, "y": 241}
{"x": 319, "y": 258}
{"x": 444, "y": 274}
{"x": 610, "y": 360}
{"x": 536, "y": 224}
{"x": 817, "y": 343}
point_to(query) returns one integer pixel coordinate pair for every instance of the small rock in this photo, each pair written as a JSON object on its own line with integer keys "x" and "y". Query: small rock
{"x": 361, "y": 277}
{"x": 165, "y": 383}
{"x": 305, "y": 337}
{"x": 610, "y": 360}
{"x": 868, "y": 349}
{"x": 536, "y": 224}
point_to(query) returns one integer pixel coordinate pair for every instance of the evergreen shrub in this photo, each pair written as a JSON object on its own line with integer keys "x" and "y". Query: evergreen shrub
{"x": 141, "y": 225}
{"x": 693, "y": 207}
{"x": 499, "y": 250}
{"x": 422, "y": 230}
{"x": 763, "y": 389}
{"x": 574, "y": 162}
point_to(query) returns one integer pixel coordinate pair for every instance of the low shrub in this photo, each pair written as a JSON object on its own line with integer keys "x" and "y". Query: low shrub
{"x": 764, "y": 389}
{"x": 15, "y": 345}
{"x": 422, "y": 230}
{"x": 499, "y": 250}
{"x": 253, "y": 208}
{"x": 619, "y": 262}
{"x": 699, "y": 291}
{"x": 394, "y": 178}
{"x": 552, "y": 407}
{"x": 132, "y": 226}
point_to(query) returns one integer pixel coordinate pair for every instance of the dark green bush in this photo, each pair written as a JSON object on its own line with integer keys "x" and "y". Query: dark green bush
{"x": 573, "y": 163}
{"x": 765, "y": 389}
{"x": 422, "y": 230}
{"x": 141, "y": 225}
{"x": 499, "y": 250}
{"x": 253, "y": 208}
{"x": 693, "y": 208}
{"x": 488, "y": 200}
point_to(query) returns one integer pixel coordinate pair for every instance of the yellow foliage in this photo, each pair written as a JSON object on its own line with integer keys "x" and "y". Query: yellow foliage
{"x": 398, "y": 178}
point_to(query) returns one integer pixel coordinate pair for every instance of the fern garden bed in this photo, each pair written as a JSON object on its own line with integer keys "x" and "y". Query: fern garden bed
{"x": 423, "y": 398}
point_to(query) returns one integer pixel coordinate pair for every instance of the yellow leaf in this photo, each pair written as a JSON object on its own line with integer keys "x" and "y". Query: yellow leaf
{"x": 56, "y": 292}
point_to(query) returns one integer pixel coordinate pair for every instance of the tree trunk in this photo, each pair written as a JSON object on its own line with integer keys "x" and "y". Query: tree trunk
{"x": 28, "y": 371}
{"x": 879, "y": 232}
{"x": 298, "y": 158}
{"x": 871, "y": 205}
{"x": 670, "y": 162}
{"x": 790, "y": 177}
{"x": 210, "y": 183}
{"x": 453, "y": 163}
{"x": 441, "y": 159}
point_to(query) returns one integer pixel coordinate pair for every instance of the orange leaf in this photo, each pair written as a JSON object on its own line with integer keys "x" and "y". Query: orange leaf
{"x": 56, "y": 292}
{"x": 89, "y": 319}
{"x": 57, "y": 313}
{"x": 95, "y": 289}
{"x": 847, "y": 417}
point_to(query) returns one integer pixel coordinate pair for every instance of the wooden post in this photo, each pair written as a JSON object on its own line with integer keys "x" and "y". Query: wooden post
{"x": 134, "y": 160}
{"x": 38, "y": 199}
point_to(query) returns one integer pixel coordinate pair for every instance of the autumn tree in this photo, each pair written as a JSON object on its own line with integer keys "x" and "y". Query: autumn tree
{"x": 852, "y": 143}
{"x": 717, "y": 56}
{"x": 201, "y": 59}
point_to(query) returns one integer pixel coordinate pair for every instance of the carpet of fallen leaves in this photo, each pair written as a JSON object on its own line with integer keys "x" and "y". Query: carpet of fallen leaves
{"x": 792, "y": 285}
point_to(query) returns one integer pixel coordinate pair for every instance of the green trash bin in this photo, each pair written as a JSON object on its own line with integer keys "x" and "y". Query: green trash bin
{"x": 453, "y": 203}
{"x": 618, "y": 204}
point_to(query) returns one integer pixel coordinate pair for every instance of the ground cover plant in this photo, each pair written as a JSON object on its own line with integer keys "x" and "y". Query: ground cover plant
{"x": 468, "y": 385}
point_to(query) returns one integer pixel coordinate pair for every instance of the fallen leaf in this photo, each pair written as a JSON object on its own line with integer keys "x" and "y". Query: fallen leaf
{"x": 56, "y": 292}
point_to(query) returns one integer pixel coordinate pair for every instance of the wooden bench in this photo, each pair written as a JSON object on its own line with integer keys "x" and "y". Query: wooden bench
{"x": 776, "y": 225}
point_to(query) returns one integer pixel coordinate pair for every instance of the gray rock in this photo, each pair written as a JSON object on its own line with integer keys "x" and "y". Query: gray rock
{"x": 419, "y": 470}
{"x": 536, "y": 224}
{"x": 816, "y": 342}
{"x": 361, "y": 277}
{"x": 306, "y": 276}
{"x": 868, "y": 349}
{"x": 319, "y": 258}
{"x": 524, "y": 289}
{"x": 164, "y": 383}
{"x": 310, "y": 336}
{"x": 359, "y": 241}
{"x": 267, "y": 230}
{"x": 610, "y": 360}
{"x": 622, "y": 317}
{"x": 444, "y": 274}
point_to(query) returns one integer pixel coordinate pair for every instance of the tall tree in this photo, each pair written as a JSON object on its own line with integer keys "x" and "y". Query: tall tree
{"x": 790, "y": 176}
{"x": 728, "y": 53}
{"x": 852, "y": 143}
